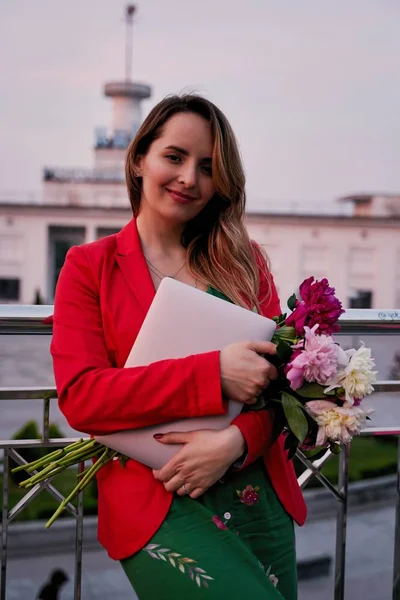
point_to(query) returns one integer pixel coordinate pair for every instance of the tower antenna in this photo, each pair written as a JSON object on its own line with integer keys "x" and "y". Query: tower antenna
{"x": 129, "y": 12}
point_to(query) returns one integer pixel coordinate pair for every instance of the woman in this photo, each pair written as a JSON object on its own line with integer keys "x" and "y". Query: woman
{"x": 218, "y": 518}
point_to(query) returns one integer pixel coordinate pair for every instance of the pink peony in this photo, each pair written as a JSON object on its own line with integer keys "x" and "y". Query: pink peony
{"x": 317, "y": 304}
{"x": 317, "y": 362}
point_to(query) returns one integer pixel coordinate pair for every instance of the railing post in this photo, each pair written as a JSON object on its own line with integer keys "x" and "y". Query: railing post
{"x": 4, "y": 526}
{"x": 341, "y": 523}
{"x": 396, "y": 562}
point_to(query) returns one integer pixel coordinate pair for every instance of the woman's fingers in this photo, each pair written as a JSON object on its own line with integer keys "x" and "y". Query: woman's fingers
{"x": 167, "y": 472}
{"x": 176, "y": 485}
{"x": 196, "y": 493}
{"x": 253, "y": 400}
{"x": 185, "y": 488}
{"x": 262, "y": 347}
{"x": 272, "y": 372}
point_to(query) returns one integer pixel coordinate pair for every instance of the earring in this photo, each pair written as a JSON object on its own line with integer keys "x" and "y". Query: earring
{"x": 137, "y": 172}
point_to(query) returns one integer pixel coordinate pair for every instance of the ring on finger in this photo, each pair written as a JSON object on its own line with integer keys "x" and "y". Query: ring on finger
{"x": 185, "y": 488}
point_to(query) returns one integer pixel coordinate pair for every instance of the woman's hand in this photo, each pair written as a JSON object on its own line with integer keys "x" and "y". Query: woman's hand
{"x": 244, "y": 373}
{"x": 203, "y": 460}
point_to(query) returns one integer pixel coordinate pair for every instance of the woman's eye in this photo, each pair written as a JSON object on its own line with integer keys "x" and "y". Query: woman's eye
{"x": 173, "y": 158}
{"x": 207, "y": 169}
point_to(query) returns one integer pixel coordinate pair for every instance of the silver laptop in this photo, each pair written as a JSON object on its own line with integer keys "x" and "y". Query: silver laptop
{"x": 183, "y": 321}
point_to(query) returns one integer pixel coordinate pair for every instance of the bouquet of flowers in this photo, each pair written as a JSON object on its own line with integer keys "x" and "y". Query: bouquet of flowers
{"x": 316, "y": 400}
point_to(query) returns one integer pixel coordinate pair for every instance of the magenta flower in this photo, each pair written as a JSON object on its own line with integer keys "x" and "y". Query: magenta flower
{"x": 317, "y": 304}
{"x": 249, "y": 495}
{"x": 317, "y": 362}
{"x": 217, "y": 521}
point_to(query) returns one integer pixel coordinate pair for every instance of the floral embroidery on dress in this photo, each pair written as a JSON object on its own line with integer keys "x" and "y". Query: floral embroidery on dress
{"x": 184, "y": 564}
{"x": 249, "y": 495}
{"x": 220, "y": 524}
{"x": 273, "y": 578}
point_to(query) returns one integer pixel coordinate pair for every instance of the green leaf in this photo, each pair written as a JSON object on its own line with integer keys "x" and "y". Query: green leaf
{"x": 295, "y": 416}
{"x": 123, "y": 459}
{"x": 335, "y": 448}
{"x": 315, "y": 453}
{"x": 313, "y": 391}
{"x": 284, "y": 351}
{"x": 291, "y": 303}
{"x": 278, "y": 422}
{"x": 286, "y": 333}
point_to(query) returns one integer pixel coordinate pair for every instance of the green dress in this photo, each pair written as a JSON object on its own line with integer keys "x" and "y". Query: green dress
{"x": 236, "y": 541}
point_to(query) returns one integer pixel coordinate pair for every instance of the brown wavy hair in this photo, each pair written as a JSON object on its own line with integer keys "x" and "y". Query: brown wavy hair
{"x": 219, "y": 250}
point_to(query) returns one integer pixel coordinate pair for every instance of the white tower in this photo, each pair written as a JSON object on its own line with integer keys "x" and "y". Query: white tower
{"x": 126, "y": 98}
{"x": 104, "y": 184}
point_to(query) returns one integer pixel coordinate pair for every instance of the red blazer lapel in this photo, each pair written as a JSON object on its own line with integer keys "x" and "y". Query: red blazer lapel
{"x": 133, "y": 265}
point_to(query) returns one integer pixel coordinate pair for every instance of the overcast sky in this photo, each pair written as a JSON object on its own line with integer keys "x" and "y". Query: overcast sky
{"x": 312, "y": 87}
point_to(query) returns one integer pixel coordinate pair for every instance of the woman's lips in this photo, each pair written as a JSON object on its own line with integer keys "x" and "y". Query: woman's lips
{"x": 179, "y": 197}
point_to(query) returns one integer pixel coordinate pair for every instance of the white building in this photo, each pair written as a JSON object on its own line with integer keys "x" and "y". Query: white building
{"x": 358, "y": 253}
{"x": 357, "y": 250}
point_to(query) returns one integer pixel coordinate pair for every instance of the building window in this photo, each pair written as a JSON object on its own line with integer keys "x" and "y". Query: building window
{"x": 361, "y": 299}
{"x": 104, "y": 231}
{"x": 314, "y": 262}
{"x": 60, "y": 240}
{"x": 9, "y": 289}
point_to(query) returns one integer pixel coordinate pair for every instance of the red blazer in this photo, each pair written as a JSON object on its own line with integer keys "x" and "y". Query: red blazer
{"x": 103, "y": 294}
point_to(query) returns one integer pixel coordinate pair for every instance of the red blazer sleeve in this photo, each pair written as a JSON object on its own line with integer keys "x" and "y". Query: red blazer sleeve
{"x": 256, "y": 426}
{"x": 97, "y": 398}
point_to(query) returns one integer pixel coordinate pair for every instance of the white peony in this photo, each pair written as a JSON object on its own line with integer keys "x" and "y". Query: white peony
{"x": 356, "y": 375}
{"x": 337, "y": 423}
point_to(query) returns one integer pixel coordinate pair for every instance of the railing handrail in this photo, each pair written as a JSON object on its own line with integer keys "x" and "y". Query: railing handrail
{"x": 28, "y": 318}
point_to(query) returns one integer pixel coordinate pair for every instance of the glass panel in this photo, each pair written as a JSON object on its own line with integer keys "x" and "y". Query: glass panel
{"x": 9, "y": 289}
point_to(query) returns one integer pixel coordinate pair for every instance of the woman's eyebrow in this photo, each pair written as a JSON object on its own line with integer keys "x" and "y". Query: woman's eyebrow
{"x": 186, "y": 153}
{"x": 178, "y": 149}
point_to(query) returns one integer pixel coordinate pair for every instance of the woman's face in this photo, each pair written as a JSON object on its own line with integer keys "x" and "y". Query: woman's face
{"x": 176, "y": 170}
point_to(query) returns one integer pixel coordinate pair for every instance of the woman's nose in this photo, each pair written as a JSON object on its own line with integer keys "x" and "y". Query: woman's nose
{"x": 188, "y": 176}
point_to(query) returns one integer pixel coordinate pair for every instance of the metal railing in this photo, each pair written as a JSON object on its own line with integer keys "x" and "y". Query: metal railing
{"x": 19, "y": 319}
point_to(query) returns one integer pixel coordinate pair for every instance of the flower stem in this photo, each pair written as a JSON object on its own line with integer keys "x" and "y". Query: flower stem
{"x": 84, "y": 482}
{"x": 50, "y": 457}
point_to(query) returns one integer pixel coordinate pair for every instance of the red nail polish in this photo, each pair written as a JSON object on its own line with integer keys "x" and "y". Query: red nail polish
{"x": 158, "y": 436}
